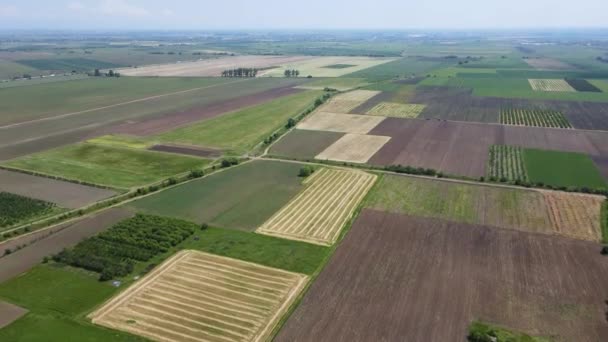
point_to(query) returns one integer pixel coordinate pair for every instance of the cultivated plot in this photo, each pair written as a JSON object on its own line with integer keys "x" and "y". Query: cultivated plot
{"x": 196, "y": 296}
{"x": 397, "y": 110}
{"x": 550, "y": 85}
{"x": 304, "y": 144}
{"x": 345, "y": 103}
{"x": 354, "y": 148}
{"x": 10, "y": 313}
{"x": 342, "y": 123}
{"x": 525, "y": 210}
{"x": 319, "y": 212}
{"x": 534, "y": 117}
{"x": 402, "y": 278}
{"x": 64, "y": 194}
{"x": 211, "y": 67}
{"x": 507, "y": 163}
{"x": 321, "y": 66}
{"x": 548, "y": 64}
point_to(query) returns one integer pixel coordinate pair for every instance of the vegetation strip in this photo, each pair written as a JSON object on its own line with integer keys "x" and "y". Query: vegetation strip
{"x": 534, "y": 118}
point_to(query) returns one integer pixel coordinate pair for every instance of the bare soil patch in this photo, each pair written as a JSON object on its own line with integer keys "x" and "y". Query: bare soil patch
{"x": 54, "y": 240}
{"x": 64, "y": 194}
{"x": 319, "y": 212}
{"x": 211, "y": 67}
{"x": 151, "y": 126}
{"x": 354, "y": 148}
{"x": 187, "y": 150}
{"x": 402, "y": 278}
{"x": 10, "y": 313}
{"x": 196, "y": 296}
{"x": 342, "y": 123}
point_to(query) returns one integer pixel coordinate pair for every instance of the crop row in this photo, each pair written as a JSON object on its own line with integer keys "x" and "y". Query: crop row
{"x": 534, "y": 117}
{"x": 507, "y": 163}
{"x": 15, "y": 208}
{"x": 114, "y": 252}
{"x": 551, "y": 85}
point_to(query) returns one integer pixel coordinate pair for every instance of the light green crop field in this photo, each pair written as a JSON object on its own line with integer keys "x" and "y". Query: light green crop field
{"x": 10, "y": 69}
{"x": 58, "y": 299}
{"x": 341, "y": 83}
{"x": 65, "y": 97}
{"x": 562, "y": 169}
{"x": 402, "y": 67}
{"x": 240, "y": 131}
{"x": 242, "y": 197}
{"x": 116, "y": 140}
{"x": 108, "y": 166}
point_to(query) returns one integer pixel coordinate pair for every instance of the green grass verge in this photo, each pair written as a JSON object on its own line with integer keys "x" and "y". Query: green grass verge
{"x": 116, "y": 140}
{"x": 242, "y": 130}
{"x": 565, "y": 169}
{"x": 108, "y": 166}
{"x": 242, "y": 197}
{"x": 482, "y": 332}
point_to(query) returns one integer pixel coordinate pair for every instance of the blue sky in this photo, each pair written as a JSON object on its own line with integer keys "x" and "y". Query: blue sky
{"x": 324, "y": 14}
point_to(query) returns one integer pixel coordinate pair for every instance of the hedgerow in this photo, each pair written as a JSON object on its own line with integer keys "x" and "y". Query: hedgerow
{"x": 114, "y": 252}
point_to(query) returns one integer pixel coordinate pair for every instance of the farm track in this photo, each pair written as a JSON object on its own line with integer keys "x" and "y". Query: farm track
{"x": 196, "y": 296}
{"x": 318, "y": 213}
{"x": 404, "y": 278}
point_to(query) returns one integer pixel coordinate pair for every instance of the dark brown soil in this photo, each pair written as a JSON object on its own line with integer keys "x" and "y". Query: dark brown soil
{"x": 461, "y": 148}
{"x": 188, "y": 150}
{"x": 401, "y": 278}
{"x": 10, "y": 313}
{"x": 64, "y": 194}
{"x": 304, "y": 144}
{"x": 150, "y": 126}
{"x": 41, "y": 244}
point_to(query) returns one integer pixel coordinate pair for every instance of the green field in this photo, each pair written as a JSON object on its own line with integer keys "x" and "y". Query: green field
{"x": 242, "y": 197}
{"x": 240, "y": 131}
{"x": 479, "y": 331}
{"x": 58, "y": 298}
{"x": 10, "y": 69}
{"x": 68, "y": 64}
{"x": 108, "y": 166}
{"x": 304, "y": 144}
{"x": 16, "y": 209}
{"x": 338, "y": 83}
{"x": 116, "y": 140}
{"x": 562, "y": 169}
{"x": 402, "y": 67}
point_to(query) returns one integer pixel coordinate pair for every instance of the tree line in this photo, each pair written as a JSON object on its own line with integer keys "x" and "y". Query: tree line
{"x": 292, "y": 73}
{"x": 240, "y": 72}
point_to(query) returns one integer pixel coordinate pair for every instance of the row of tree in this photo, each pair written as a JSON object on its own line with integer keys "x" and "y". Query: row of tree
{"x": 111, "y": 73}
{"x": 292, "y": 73}
{"x": 240, "y": 72}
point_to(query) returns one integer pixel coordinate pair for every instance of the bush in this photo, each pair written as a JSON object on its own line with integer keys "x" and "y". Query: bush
{"x": 604, "y": 250}
{"x": 196, "y": 174}
{"x": 305, "y": 171}
{"x": 204, "y": 226}
{"x": 228, "y": 162}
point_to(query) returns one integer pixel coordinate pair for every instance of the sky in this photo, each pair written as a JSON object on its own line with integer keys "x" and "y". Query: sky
{"x": 307, "y": 14}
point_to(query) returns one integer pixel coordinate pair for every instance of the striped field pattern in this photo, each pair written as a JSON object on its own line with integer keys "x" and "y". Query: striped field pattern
{"x": 507, "y": 162}
{"x": 196, "y": 296}
{"x": 319, "y": 212}
{"x": 551, "y": 85}
{"x": 534, "y": 117}
{"x": 397, "y": 110}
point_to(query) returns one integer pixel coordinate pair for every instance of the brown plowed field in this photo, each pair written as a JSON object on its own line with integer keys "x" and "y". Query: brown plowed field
{"x": 66, "y": 235}
{"x": 602, "y": 165}
{"x": 64, "y": 194}
{"x": 187, "y": 150}
{"x": 171, "y": 121}
{"x": 304, "y": 144}
{"x": 461, "y": 148}
{"x": 402, "y": 278}
{"x": 9, "y": 313}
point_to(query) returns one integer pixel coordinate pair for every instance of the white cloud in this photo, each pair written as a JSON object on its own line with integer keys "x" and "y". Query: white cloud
{"x": 167, "y": 12}
{"x": 123, "y": 8}
{"x": 8, "y": 11}
{"x": 76, "y": 6}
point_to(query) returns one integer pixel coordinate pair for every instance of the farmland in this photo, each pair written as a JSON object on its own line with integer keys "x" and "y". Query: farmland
{"x": 536, "y": 118}
{"x": 240, "y": 131}
{"x": 507, "y": 163}
{"x": 199, "y": 296}
{"x": 108, "y": 166}
{"x": 341, "y": 123}
{"x": 525, "y": 210}
{"x": 562, "y": 169}
{"x": 397, "y": 110}
{"x": 320, "y": 211}
{"x": 15, "y": 209}
{"x": 242, "y": 197}
{"x": 317, "y": 67}
{"x": 431, "y": 268}
{"x": 548, "y": 64}
{"x": 353, "y": 148}
{"x": 550, "y": 85}
{"x": 304, "y": 144}
{"x": 344, "y": 103}
{"x": 582, "y": 85}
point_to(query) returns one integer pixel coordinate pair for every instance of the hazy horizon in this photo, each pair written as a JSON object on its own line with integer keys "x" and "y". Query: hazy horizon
{"x": 313, "y": 14}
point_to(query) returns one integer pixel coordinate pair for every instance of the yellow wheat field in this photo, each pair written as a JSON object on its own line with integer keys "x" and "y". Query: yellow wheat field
{"x": 550, "y": 85}
{"x": 344, "y": 103}
{"x": 319, "y": 212}
{"x": 354, "y": 148}
{"x": 196, "y": 296}
{"x": 342, "y": 123}
{"x": 574, "y": 215}
{"x": 397, "y": 110}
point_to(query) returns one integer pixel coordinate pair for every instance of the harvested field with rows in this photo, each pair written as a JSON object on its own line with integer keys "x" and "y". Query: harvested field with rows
{"x": 341, "y": 123}
{"x": 64, "y": 194}
{"x": 344, "y": 103}
{"x": 550, "y": 85}
{"x": 403, "y": 278}
{"x": 320, "y": 211}
{"x": 211, "y": 67}
{"x": 353, "y": 148}
{"x": 535, "y": 118}
{"x": 397, "y": 110}
{"x": 525, "y": 210}
{"x": 197, "y": 296}
{"x": 507, "y": 162}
